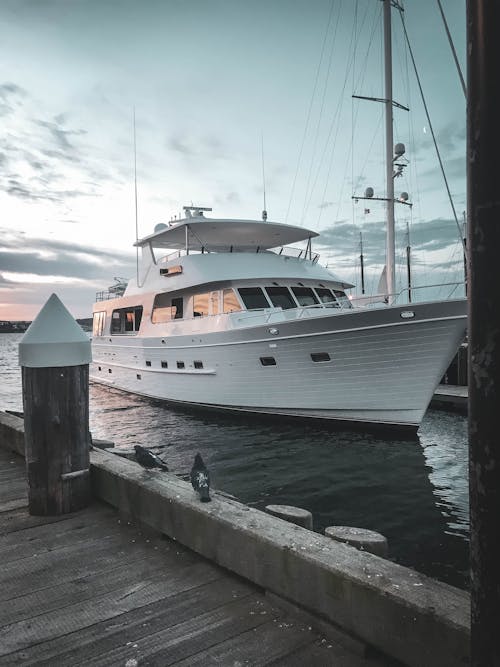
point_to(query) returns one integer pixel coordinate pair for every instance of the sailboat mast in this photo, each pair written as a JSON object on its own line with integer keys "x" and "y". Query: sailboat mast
{"x": 389, "y": 141}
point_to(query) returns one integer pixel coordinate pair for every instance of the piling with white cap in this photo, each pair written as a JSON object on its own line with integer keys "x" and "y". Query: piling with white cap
{"x": 292, "y": 514}
{"x": 361, "y": 538}
{"x": 54, "y": 354}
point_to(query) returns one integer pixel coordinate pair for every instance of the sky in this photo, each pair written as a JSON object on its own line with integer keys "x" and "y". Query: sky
{"x": 229, "y": 95}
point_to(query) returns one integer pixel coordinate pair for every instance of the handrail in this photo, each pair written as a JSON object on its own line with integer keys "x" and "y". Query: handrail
{"x": 384, "y": 298}
{"x": 285, "y": 251}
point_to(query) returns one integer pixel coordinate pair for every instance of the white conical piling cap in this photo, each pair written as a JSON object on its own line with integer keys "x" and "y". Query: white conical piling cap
{"x": 54, "y": 339}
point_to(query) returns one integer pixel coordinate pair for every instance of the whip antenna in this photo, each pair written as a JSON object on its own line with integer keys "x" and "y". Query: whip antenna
{"x": 136, "y": 218}
{"x": 264, "y": 212}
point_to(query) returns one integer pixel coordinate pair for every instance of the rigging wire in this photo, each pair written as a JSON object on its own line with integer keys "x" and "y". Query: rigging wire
{"x": 309, "y": 193}
{"x": 432, "y": 130}
{"x": 309, "y": 110}
{"x": 452, "y": 47}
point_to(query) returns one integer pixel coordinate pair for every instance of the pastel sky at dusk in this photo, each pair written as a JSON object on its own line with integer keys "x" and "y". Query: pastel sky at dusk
{"x": 212, "y": 81}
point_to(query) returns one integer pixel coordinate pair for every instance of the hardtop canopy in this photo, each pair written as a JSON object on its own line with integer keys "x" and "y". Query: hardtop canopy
{"x": 225, "y": 234}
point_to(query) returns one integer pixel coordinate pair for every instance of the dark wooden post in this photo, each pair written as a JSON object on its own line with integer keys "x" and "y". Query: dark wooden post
{"x": 54, "y": 355}
{"x": 483, "y": 179}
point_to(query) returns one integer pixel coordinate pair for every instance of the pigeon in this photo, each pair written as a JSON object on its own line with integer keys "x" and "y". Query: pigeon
{"x": 200, "y": 479}
{"x": 147, "y": 459}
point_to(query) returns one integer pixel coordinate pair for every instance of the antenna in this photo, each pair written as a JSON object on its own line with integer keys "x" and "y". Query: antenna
{"x": 136, "y": 218}
{"x": 264, "y": 212}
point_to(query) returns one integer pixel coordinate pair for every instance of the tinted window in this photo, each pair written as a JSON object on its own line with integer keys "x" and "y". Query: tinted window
{"x": 163, "y": 309}
{"x": 325, "y": 296}
{"x": 98, "y": 324}
{"x": 253, "y": 297}
{"x": 230, "y": 301}
{"x": 268, "y": 361}
{"x": 305, "y": 296}
{"x": 343, "y": 298}
{"x": 126, "y": 320}
{"x": 178, "y": 304}
{"x": 198, "y": 364}
{"x": 200, "y": 305}
{"x": 281, "y": 297}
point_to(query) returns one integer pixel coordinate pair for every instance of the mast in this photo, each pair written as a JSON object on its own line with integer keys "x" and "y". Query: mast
{"x": 408, "y": 261}
{"x": 389, "y": 141}
{"x": 362, "y": 262}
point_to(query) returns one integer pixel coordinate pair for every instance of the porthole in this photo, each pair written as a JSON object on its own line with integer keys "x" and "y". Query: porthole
{"x": 320, "y": 356}
{"x": 138, "y": 376}
{"x": 109, "y": 370}
{"x": 99, "y": 368}
{"x": 148, "y": 363}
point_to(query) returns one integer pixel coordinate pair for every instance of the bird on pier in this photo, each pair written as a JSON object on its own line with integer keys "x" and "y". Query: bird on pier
{"x": 147, "y": 459}
{"x": 200, "y": 479}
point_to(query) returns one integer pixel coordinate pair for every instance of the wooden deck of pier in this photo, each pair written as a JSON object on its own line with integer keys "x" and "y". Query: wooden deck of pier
{"x": 92, "y": 589}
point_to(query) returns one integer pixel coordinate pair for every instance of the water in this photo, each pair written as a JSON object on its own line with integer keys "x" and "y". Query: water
{"x": 414, "y": 492}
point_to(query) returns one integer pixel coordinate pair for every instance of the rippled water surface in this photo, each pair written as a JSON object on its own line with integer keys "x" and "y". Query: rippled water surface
{"x": 414, "y": 492}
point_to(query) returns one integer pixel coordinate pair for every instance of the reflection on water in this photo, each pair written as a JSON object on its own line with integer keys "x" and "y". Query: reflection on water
{"x": 414, "y": 492}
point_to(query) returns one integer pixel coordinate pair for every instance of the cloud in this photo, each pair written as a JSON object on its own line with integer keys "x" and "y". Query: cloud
{"x": 205, "y": 146}
{"x": 46, "y": 257}
{"x": 11, "y": 96}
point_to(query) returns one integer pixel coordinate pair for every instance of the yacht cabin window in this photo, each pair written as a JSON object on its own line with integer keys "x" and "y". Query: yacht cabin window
{"x": 325, "y": 296}
{"x": 342, "y": 298}
{"x": 281, "y": 297}
{"x": 165, "y": 308}
{"x": 178, "y": 304}
{"x": 305, "y": 296}
{"x": 200, "y": 305}
{"x": 230, "y": 301}
{"x": 253, "y": 297}
{"x": 126, "y": 320}
{"x": 214, "y": 303}
{"x": 98, "y": 323}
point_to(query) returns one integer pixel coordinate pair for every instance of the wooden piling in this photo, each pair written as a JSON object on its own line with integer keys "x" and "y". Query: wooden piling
{"x": 483, "y": 243}
{"x": 54, "y": 355}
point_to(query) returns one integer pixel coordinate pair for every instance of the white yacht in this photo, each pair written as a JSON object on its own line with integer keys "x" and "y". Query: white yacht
{"x": 232, "y": 318}
{"x": 235, "y": 319}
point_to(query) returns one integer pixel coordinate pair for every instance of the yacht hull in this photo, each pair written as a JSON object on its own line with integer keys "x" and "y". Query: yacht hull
{"x": 375, "y": 367}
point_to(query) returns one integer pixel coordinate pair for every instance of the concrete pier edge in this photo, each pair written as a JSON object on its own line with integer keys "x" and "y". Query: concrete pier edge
{"x": 404, "y": 614}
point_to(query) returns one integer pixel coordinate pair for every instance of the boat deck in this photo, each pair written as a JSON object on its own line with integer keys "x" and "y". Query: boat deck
{"x": 92, "y": 589}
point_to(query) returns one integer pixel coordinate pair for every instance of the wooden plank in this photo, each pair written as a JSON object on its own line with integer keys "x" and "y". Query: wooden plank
{"x": 18, "y": 519}
{"x": 13, "y": 489}
{"x": 73, "y": 524}
{"x": 70, "y": 536}
{"x": 259, "y": 646}
{"x": 174, "y": 591}
{"x": 79, "y": 590}
{"x": 321, "y": 653}
{"x": 80, "y": 560}
{"x": 175, "y": 642}
{"x": 10, "y": 505}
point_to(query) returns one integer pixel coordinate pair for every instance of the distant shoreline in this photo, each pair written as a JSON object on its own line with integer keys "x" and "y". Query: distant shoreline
{"x": 21, "y": 326}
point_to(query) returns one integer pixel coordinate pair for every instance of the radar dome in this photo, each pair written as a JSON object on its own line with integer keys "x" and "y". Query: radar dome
{"x": 160, "y": 226}
{"x": 403, "y": 196}
{"x": 369, "y": 193}
{"x": 399, "y": 150}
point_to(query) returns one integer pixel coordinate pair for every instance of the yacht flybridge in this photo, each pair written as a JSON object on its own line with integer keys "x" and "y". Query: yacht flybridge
{"x": 224, "y": 314}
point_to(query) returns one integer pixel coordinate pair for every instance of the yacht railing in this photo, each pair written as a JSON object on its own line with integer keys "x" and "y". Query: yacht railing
{"x": 277, "y": 314}
{"x": 286, "y": 251}
{"x": 380, "y": 300}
